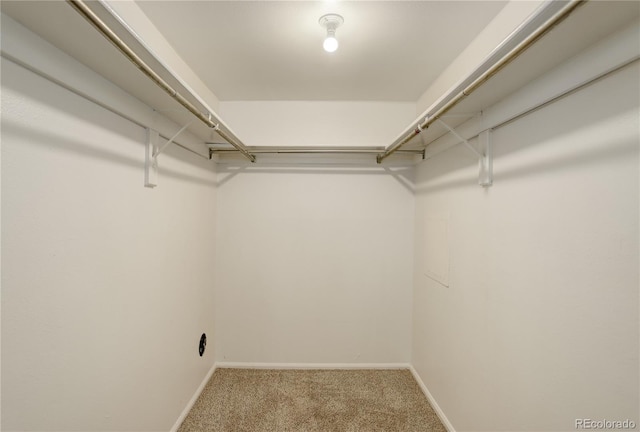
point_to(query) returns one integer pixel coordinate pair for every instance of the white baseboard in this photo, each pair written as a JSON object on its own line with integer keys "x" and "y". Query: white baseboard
{"x": 245, "y": 365}
{"x": 443, "y": 418}
{"x": 193, "y": 400}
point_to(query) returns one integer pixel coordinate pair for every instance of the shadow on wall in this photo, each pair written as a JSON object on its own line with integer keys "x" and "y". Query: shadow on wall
{"x": 557, "y": 123}
{"x": 52, "y": 95}
{"x": 47, "y": 140}
{"x": 608, "y": 152}
{"x": 33, "y": 87}
{"x": 404, "y": 175}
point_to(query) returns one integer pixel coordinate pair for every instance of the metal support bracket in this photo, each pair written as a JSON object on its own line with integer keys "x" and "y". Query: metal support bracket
{"x": 152, "y": 151}
{"x": 484, "y": 155}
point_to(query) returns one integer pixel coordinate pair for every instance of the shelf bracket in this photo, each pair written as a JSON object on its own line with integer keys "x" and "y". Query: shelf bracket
{"x": 484, "y": 155}
{"x": 485, "y": 176}
{"x": 152, "y": 151}
{"x": 161, "y": 149}
{"x": 150, "y": 161}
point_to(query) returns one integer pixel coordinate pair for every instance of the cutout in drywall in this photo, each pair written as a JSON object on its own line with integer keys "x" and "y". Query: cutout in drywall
{"x": 436, "y": 247}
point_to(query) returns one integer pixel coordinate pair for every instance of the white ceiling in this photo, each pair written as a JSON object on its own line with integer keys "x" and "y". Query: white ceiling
{"x": 272, "y": 50}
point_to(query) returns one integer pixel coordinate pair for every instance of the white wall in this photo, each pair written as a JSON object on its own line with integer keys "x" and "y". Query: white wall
{"x": 539, "y": 324}
{"x": 307, "y": 123}
{"x": 314, "y": 265}
{"x": 106, "y": 285}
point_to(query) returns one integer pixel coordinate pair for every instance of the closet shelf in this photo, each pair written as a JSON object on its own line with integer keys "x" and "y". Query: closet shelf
{"x": 207, "y": 116}
{"x": 520, "y": 40}
{"x": 538, "y": 46}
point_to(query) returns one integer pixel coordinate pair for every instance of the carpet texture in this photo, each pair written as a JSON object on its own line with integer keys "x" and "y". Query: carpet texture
{"x": 259, "y": 400}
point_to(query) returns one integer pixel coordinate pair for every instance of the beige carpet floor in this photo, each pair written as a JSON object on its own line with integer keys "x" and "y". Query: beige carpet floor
{"x": 258, "y": 400}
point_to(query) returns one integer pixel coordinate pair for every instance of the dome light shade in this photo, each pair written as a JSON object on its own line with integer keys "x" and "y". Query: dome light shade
{"x": 331, "y": 22}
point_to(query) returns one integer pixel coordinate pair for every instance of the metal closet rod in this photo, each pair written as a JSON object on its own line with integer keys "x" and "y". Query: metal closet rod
{"x": 103, "y": 28}
{"x": 309, "y": 150}
{"x": 453, "y": 100}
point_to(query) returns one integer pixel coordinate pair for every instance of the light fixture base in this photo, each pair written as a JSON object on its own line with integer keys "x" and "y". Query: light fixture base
{"x": 331, "y": 21}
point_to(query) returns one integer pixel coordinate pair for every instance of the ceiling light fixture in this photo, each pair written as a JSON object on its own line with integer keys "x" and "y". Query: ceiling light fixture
{"x": 331, "y": 22}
